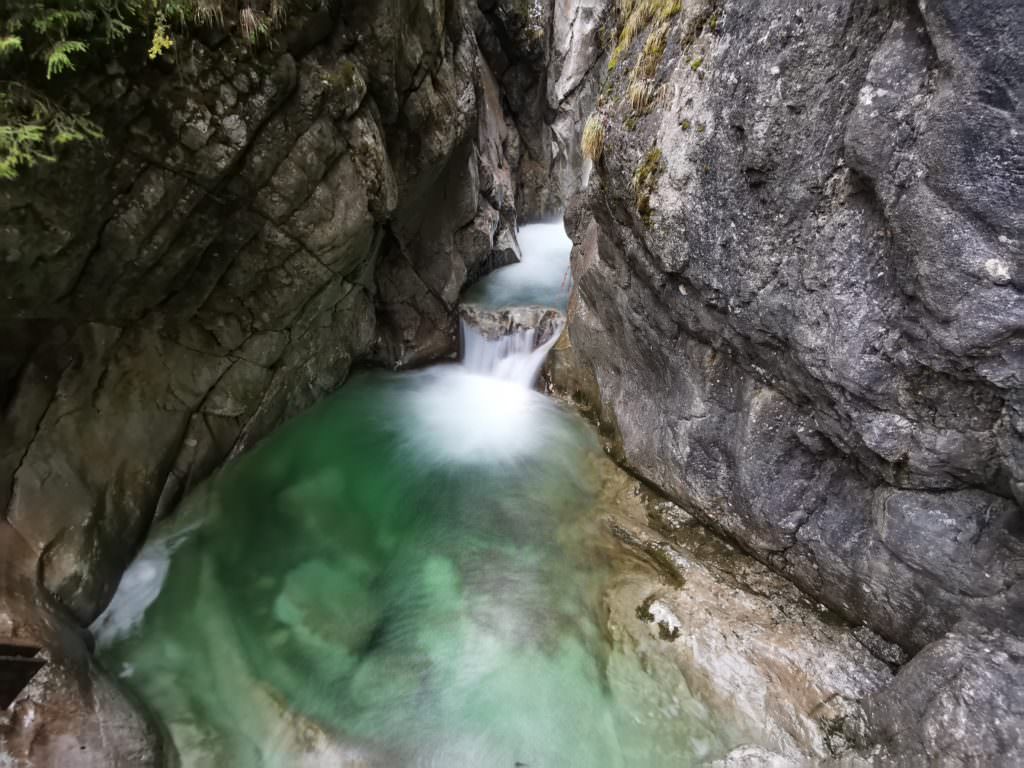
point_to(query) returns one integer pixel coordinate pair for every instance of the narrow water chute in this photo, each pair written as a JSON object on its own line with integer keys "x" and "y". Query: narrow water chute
{"x": 482, "y": 410}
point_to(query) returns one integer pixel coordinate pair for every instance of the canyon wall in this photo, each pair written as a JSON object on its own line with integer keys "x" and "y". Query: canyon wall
{"x": 544, "y": 56}
{"x": 799, "y": 312}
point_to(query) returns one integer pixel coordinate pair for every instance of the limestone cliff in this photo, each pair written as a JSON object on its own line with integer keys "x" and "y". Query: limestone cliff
{"x": 543, "y": 55}
{"x": 799, "y": 309}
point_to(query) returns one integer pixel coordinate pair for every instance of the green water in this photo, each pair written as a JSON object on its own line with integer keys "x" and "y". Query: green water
{"x": 357, "y": 595}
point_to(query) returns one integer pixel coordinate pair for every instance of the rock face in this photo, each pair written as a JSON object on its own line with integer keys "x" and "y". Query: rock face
{"x": 800, "y": 303}
{"x": 542, "y": 55}
{"x": 774, "y": 669}
{"x": 494, "y": 324}
{"x": 70, "y": 714}
{"x": 958, "y": 702}
{"x": 256, "y": 222}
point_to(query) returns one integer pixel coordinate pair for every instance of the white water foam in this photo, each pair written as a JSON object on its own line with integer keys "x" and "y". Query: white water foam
{"x": 482, "y": 410}
{"x": 515, "y": 358}
{"x": 139, "y": 587}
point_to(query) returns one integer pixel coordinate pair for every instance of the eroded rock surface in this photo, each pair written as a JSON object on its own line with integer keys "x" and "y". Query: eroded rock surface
{"x": 958, "y": 702}
{"x": 70, "y": 714}
{"x": 799, "y": 305}
{"x": 761, "y": 337}
{"x": 495, "y": 323}
{"x": 543, "y": 55}
{"x": 774, "y": 668}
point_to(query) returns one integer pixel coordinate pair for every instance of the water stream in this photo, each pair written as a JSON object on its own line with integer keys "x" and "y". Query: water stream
{"x": 542, "y": 277}
{"x": 409, "y": 574}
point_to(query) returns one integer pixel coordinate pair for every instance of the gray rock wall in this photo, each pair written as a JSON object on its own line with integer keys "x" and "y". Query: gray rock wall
{"x": 800, "y": 304}
{"x": 545, "y": 56}
{"x": 256, "y": 222}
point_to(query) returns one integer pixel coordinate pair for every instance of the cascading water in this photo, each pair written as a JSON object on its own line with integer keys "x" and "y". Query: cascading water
{"x": 515, "y": 357}
{"x": 409, "y": 574}
{"x": 483, "y": 410}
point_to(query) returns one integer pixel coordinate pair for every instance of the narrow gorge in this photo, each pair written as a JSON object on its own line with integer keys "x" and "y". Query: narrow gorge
{"x": 596, "y": 383}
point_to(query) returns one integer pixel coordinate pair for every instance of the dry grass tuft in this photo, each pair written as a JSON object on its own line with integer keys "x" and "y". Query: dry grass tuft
{"x": 593, "y": 138}
{"x": 638, "y": 17}
{"x": 642, "y": 95}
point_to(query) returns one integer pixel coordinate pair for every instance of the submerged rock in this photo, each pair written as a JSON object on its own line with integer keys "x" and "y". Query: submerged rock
{"x": 254, "y": 223}
{"x": 785, "y": 342}
{"x": 774, "y": 668}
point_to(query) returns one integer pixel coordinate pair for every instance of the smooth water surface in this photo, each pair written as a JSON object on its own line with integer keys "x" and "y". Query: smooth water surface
{"x": 542, "y": 277}
{"x": 406, "y": 575}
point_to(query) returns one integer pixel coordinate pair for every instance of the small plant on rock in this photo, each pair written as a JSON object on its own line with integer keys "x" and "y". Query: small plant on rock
{"x": 637, "y": 16}
{"x": 41, "y": 40}
{"x": 642, "y": 95}
{"x": 644, "y": 180}
{"x": 593, "y": 138}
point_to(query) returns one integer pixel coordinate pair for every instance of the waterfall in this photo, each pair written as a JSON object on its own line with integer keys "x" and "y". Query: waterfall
{"x": 139, "y": 587}
{"x": 482, "y": 410}
{"x": 515, "y": 357}
{"x": 410, "y": 573}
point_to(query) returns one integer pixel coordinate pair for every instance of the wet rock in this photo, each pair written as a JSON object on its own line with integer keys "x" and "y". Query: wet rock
{"x": 776, "y": 670}
{"x": 253, "y": 225}
{"x": 70, "y": 714}
{"x": 797, "y": 313}
{"x": 958, "y": 702}
{"x": 801, "y": 327}
{"x": 496, "y": 323}
{"x": 543, "y": 56}
{"x": 751, "y": 757}
{"x": 579, "y": 52}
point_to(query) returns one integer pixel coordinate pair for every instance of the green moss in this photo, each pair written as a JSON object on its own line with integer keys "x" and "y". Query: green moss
{"x": 644, "y": 180}
{"x": 708, "y": 20}
{"x": 695, "y": 64}
{"x": 650, "y": 166}
{"x": 684, "y": 124}
{"x": 43, "y": 41}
